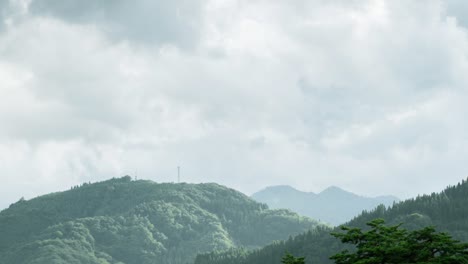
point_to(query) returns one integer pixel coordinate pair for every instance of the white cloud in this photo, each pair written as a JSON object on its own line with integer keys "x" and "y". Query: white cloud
{"x": 245, "y": 93}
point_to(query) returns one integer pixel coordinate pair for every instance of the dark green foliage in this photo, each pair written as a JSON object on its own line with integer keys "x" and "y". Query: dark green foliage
{"x": 290, "y": 259}
{"x": 392, "y": 244}
{"x": 231, "y": 256}
{"x": 446, "y": 211}
{"x": 125, "y": 221}
{"x": 316, "y": 245}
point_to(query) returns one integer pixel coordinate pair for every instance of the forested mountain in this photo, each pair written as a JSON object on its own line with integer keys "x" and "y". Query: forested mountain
{"x": 447, "y": 211}
{"x": 333, "y": 205}
{"x": 138, "y": 222}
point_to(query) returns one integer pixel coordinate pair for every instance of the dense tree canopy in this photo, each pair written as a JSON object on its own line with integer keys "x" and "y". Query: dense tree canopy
{"x": 138, "y": 222}
{"x": 393, "y": 244}
{"x": 290, "y": 259}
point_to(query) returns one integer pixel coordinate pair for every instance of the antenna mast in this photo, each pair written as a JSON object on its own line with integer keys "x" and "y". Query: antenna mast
{"x": 178, "y": 174}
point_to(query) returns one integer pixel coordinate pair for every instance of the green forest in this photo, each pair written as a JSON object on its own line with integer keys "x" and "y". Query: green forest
{"x": 137, "y": 222}
{"x": 447, "y": 211}
{"x": 123, "y": 221}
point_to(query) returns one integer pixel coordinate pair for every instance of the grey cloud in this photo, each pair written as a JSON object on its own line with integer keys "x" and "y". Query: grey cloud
{"x": 72, "y": 89}
{"x": 457, "y": 9}
{"x": 5, "y": 9}
{"x": 147, "y": 21}
{"x": 312, "y": 93}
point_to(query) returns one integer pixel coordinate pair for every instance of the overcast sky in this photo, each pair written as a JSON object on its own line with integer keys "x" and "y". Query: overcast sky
{"x": 369, "y": 95}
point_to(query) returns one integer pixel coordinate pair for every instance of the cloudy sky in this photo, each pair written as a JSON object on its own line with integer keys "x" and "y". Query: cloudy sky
{"x": 369, "y": 95}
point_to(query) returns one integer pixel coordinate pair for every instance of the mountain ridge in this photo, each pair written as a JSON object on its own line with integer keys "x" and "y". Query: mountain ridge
{"x": 137, "y": 222}
{"x": 333, "y": 205}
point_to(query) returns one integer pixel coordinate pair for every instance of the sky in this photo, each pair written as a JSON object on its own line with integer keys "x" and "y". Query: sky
{"x": 368, "y": 95}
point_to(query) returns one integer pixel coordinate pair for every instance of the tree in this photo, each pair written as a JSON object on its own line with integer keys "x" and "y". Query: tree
{"x": 290, "y": 259}
{"x": 393, "y": 244}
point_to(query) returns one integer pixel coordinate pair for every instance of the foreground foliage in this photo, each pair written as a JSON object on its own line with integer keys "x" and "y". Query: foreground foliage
{"x": 121, "y": 221}
{"x": 392, "y": 244}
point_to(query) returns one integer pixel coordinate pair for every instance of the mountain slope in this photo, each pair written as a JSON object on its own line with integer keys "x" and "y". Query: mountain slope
{"x": 125, "y": 221}
{"x": 447, "y": 211}
{"x": 333, "y": 205}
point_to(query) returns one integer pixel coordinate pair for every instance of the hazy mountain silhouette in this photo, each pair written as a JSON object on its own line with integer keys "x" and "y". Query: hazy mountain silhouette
{"x": 333, "y": 205}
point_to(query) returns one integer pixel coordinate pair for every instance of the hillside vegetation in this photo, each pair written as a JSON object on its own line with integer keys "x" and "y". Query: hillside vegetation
{"x": 447, "y": 211}
{"x": 137, "y": 222}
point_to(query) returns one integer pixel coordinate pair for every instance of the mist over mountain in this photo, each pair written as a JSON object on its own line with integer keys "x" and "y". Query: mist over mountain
{"x": 447, "y": 211}
{"x": 333, "y": 205}
{"x": 121, "y": 221}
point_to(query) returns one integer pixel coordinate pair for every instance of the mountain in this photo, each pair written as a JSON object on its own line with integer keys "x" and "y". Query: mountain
{"x": 447, "y": 211}
{"x": 333, "y": 205}
{"x": 121, "y": 221}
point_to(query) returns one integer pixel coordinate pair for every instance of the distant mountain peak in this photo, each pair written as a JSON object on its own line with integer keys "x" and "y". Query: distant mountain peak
{"x": 280, "y": 187}
{"x": 332, "y": 205}
{"x": 333, "y": 189}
